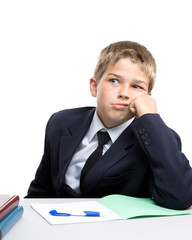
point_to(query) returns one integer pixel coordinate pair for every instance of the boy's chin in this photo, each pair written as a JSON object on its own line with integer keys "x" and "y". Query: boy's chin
{"x": 117, "y": 122}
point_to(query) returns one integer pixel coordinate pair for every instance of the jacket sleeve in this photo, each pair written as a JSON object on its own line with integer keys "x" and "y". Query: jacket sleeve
{"x": 41, "y": 186}
{"x": 171, "y": 184}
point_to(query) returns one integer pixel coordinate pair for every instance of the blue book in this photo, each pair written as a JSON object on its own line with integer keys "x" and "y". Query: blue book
{"x": 7, "y": 223}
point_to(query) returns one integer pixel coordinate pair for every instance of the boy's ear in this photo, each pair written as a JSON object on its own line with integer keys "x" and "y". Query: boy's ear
{"x": 150, "y": 93}
{"x": 93, "y": 86}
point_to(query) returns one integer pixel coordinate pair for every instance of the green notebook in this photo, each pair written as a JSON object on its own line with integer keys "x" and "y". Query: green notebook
{"x": 132, "y": 207}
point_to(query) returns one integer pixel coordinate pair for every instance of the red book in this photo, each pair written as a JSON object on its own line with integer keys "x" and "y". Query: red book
{"x": 7, "y": 204}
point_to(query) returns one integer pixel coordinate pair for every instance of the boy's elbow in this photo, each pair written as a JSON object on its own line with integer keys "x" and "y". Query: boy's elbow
{"x": 180, "y": 205}
{"x": 181, "y": 202}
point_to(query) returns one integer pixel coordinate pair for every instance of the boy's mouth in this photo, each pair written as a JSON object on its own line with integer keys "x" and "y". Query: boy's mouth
{"x": 119, "y": 105}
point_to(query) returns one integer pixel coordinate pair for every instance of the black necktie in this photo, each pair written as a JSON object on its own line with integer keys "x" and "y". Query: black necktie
{"x": 103, "y": 138}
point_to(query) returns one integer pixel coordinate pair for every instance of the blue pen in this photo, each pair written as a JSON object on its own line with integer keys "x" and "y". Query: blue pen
{"x": 87, "y": 214}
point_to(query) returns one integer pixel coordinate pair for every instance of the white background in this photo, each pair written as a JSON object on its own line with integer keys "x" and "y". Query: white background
{"x": 48, "y": 51}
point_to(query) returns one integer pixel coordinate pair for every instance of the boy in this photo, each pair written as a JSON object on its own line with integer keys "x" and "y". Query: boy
{"x": 141, "y": 156}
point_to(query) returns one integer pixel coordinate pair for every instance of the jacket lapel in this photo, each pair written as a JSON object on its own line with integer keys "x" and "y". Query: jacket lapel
{"x": 115, "y": 153}
{"x": 71, "y": 140}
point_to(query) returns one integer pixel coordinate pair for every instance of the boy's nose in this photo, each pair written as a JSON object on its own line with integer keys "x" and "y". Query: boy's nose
{"x": 124, "y": 94}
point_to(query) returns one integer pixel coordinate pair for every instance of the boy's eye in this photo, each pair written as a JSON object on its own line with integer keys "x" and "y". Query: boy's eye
{"x": 138, "y": 87}
{"x": 114, "y": 81}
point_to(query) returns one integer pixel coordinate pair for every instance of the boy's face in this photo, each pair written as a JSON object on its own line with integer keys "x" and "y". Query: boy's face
{"x": 118, "y": 87}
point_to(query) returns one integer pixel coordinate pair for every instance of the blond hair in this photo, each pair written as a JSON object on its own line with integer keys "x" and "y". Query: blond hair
{"x": 126, "y": 49}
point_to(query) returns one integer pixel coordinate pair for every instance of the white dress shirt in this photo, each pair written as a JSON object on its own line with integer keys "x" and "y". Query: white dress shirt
{"x": 87, "y": 146}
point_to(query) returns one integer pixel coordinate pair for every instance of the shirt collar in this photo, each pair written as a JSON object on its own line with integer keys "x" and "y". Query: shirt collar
{"x": 97, "y": 125}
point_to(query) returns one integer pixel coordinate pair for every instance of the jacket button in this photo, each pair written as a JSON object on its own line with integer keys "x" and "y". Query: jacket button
{"x": 147, "y": 142}
{"x": 141, "y": 131}
{"x": 144, "y": 136}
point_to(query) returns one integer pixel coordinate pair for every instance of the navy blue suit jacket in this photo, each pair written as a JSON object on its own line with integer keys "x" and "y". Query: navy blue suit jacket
{"x": 145, "y": 161}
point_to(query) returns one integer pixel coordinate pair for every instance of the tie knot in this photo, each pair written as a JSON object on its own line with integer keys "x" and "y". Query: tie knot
{"x": 103, "y": 138}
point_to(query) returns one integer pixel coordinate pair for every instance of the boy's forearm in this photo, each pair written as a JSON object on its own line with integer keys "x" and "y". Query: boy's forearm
{"x": 172, "y": 176}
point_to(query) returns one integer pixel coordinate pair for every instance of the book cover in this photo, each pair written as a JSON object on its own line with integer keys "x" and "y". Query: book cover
{"x": 133, "y": 207}
{"x": 7, "y": 204}
{"x": 7, "y": 223}
{"x": 111, "y": 207}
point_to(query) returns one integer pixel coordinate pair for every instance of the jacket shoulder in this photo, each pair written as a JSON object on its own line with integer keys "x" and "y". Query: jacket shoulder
{"x": 71, "y": 113}
{"x": 68, "y": 116}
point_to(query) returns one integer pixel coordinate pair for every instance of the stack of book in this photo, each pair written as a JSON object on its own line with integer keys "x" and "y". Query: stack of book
{"x": 10, "y": 212}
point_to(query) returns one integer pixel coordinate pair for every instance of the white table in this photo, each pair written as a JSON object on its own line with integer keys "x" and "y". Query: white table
{"x": 33, "y": 227}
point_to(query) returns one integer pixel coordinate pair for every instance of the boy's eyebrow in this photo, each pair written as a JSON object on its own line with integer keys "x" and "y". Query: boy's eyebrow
{"x": 136, "y": 80}
{"x": 141, "y": 82}
{"x": 115, "y": 75}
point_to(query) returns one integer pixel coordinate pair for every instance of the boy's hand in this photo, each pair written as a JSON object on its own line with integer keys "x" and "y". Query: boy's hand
{"x": 143, "y": 104}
